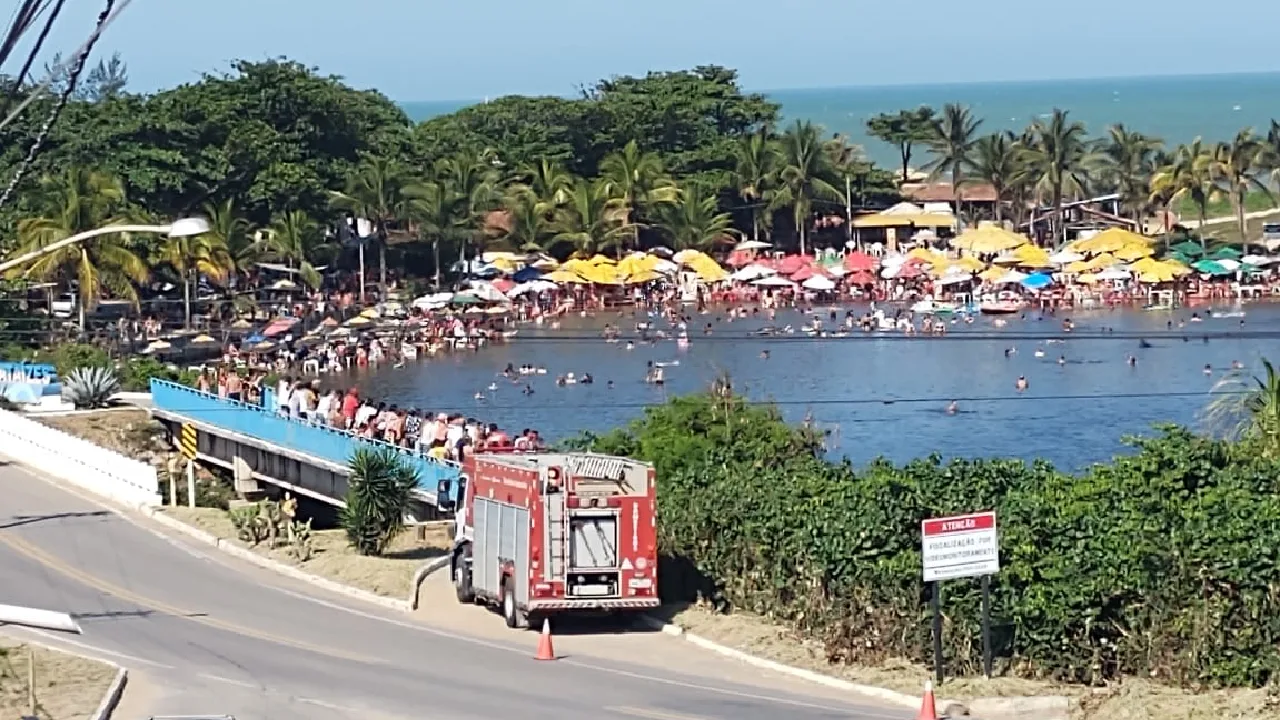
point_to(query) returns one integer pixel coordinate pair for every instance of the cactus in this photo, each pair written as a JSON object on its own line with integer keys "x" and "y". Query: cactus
{"x": 300, "y": 546}
{"x": 250, "y": 526}
{"x": 91, "y": 387}
{"x": 273, "y": 518}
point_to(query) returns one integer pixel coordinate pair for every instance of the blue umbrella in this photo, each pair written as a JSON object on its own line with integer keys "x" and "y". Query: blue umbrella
{"x": 527, "y": 274}
{"x": 254, "y": 338}
{"x": 1035, "y": 281}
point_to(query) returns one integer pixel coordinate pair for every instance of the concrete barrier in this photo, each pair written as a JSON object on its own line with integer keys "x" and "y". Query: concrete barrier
{"x": 78, "y": 462}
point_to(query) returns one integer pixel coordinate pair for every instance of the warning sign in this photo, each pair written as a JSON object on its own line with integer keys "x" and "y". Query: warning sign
{"x": 960, "y": 546}
{"x": 188, "y": 441}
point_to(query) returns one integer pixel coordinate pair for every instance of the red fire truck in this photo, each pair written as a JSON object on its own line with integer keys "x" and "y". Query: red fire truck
{"x": 546, "y": 533}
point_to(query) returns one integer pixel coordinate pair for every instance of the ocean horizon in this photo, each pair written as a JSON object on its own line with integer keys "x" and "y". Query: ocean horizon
{"x": 1175, "y": 108}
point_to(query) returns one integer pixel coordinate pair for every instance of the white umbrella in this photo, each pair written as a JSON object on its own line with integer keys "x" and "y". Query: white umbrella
{"x": 1257, "y": 260}
{"x": 818, "y": 282}
{"x": 1011, "y": 277}
{"x": 487, "y": 292}
{"x": 1229, "y": 264}
{"x": 666, "y": 267}
{"x": 752, "y": 272}
{"x": 774, "y": 281}
{"x": 752, "y": 245}
{"x": 439, "y": 298}
{"x": 1065, "y": 257}
{"x": 1114, "y": 274}
{"x": 955, "y": 278}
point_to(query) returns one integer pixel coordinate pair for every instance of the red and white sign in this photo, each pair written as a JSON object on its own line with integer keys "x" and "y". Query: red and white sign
{"x": 960, "y": 546}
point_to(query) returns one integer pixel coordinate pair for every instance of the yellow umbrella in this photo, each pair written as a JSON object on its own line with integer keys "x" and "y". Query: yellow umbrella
{"x": 370, "y": 313}
{"x": 359, "y": 320}
{"x": 1103, "y": 261}
{"x": 643, "y": 276}
{"x": 1109, "y": 241}
{"x": 1177, "y": 267}
{"x": 1157, "y": 275}
{"x": 602, "y": 260}
{"x": 1146, "y": 265}
{"x": 988, "y": 239}
{"x": 1129, "y": 253}
{"x": 1079, "y": 266}
{"x": 969, "y": 264}
{"x": 992, "y": 274}
{"x": 712, "y": 273}
{"x": 1086, "y": 278}
{"x": 1031, "y": 256}
{"x": 505, "y": 264}
{"x": 562, "y": 276}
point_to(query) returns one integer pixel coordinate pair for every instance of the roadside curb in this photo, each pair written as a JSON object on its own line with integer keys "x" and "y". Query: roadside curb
{"x": 111, "y": 698}
{"x": 421, "y": 574}
{"x": 1044, "y": 707}
{"x": 289, "y": 571}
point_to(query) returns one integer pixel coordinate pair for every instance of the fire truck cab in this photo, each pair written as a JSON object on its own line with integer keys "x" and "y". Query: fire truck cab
{"x": 554, "y": 533}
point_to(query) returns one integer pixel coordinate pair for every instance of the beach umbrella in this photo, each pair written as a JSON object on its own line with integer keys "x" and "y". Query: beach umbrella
{"x": 1087, "y": 278}
{"x": 752, "y": 245}
{"x": 504, "y": 285}
{"x": 464, "y": 299}
{"x": 859, "y": 260}
{"x": 1225, "y": 253}
{"x": 955, "y": 277}
{"x": 1114, "y": 274}
{"x": 562, "y": 276}
{"x": 792, "y": 264}
{"x": 157, "y": 346}
{"x": 255, "y": 338}
{"x": 241, "y": 324}
{"x": 1037, "y": 281}
{"x": 526, "y": 274}
{"x": 1188, "y": 248}
{"x": 773, "y": 281}
{"x": 1257, "y": 260}
{"x": 987, "y": 239}
{"x": 203, "y": 340}
{"x": 359, "y": 321}
{"x": 1012, "y": 277}
{"x": 807, "y": 272}
{"x": 1211, "y": 267}
{"x": 1065, "y": 257}
{"x": 641, "y": 277}
{"x": 371, "y": 313}
{"x": 1109, "y": 241}
{"x": 819, "y": 283}
{"x": 860, "y": 277}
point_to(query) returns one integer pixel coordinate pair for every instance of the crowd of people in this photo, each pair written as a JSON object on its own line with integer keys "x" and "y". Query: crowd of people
{"x": 440, "y": 436}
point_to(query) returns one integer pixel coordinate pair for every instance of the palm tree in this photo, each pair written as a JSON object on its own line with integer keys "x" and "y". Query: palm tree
{"x": 1127, "y": 163}
{"x": 232, "y": 231}
{"x": 847, "y": 162}
{"x": 952, "y": 146}
{"x": 587, "y": 222}
{"x": 549, "y": 182}
{"x": 1235, "y": 167}
{"x": 375, "y": 192}
{"x": 1248, "y": 409}
{"x": 75, "y": 201}
{"x": 1058, "y": 159}
{"x": 295, "y": 239}
{"x": 530, "y": 220}
{"x": 696, "y": 222}
{"x": 635, "y": 181}
{"x": 479, "y": 187}
{"x": 194, "y": 255}
{"x": 805, "y": 176}
{"x": 997, "y": 161}
{"x": 755, "y": 176}
{"x": 442, "y": 215}
{"x": 1189, "y": 176}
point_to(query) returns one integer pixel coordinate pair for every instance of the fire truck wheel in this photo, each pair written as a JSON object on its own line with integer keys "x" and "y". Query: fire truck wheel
{"x": 514, "y": 616}
{"x": 462, "y": 582}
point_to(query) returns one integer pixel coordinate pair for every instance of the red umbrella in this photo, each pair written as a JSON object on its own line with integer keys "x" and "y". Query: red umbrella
{"x": 809, "y": 271}
{"x": 503, "y": 285}
{"x": 739, "y": 258}
{"x": 791, "y": 264}
{"x": 860, "y": 277}
{"x": 859, "y": 260}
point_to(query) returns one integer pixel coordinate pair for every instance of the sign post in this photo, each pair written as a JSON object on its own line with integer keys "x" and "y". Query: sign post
{"x": 189, "y": 443}
{"x": 958, "y": 547}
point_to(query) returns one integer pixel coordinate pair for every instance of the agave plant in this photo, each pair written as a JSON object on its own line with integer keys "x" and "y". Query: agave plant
{"x": 91, "y": 387}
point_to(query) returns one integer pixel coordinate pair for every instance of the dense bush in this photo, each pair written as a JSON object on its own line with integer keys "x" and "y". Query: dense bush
{"x": 1162, "y": 562}
{"x": 379, "y": 490}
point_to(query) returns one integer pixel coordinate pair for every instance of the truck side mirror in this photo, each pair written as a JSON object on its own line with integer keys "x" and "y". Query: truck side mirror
{"x": 443, "y": 499}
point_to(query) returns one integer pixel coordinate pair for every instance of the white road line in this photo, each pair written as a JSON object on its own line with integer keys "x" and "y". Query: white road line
{"x": 92, "y": 650}
{"x": 229, "y": 681}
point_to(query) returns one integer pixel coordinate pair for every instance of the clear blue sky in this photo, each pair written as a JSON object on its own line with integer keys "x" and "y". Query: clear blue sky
{"x": 467, "y": 49}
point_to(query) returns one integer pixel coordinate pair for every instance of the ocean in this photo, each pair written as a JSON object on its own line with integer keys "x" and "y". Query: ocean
{"x": 1176, "y": 108}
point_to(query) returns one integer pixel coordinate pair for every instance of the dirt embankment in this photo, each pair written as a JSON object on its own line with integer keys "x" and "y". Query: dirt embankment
{"x": 68, "y": 687}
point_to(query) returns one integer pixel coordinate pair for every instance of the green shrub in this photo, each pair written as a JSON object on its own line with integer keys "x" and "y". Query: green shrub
{"x": 136, "y": 373}
{"x": 378, "y": 495}
{"x": 1160, "y": 563}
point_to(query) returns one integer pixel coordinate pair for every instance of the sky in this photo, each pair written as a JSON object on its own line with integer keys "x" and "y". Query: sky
{"x": 433, "y": 50}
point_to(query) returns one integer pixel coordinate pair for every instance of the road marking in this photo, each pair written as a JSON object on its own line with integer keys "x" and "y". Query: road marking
{"x": 56, "y": 564}
{"x": 229, "y": 681}
{"x": 653, "y": 714}
{"x": 86, "y": 648}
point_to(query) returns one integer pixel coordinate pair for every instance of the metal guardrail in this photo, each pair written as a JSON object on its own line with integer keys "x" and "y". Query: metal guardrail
{"x": 318, "y": 441}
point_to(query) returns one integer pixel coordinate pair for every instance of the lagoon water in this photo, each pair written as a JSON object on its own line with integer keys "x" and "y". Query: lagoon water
{"x": 1176, "y": 108}
{"x": 843, "y": 383}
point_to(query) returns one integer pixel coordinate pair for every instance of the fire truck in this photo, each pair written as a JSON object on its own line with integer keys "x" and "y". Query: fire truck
{"x": 555, "y": 533}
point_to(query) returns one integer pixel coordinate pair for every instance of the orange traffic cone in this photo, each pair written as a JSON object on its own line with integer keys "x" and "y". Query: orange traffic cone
{"x": 545, "y": 650}
{"x": 928, "y": 709}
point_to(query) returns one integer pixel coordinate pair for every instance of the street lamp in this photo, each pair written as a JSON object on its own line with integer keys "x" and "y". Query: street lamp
{"x": 183, "y": 227}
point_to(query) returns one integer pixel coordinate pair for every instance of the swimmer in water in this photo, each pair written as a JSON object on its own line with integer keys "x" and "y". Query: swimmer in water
{"x": 953, "y": 408}
{"x": 1237, "y": 365}
{"x": 1208, "y": 369}
{"x": 764, "y": 354}
{"x": 528, "y": 390}
{"x": 1133, "y": 361}
{"x": 1062, "y": 359}
{"x": 1021, "y": 383}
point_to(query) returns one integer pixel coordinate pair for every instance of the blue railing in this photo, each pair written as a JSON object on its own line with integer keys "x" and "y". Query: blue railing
{"x": 317, "y": 441}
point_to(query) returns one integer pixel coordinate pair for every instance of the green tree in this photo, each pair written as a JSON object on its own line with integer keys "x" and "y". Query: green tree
{"x": 1058, "y": 158}
{"x": 1188, "y": 176}
{"x": 806, "y": 175}
{"x": 1248, "y": 408}
{"x": 587, "y": 223}
{"x": 904, "y": 130}
{"x": 296, "y": 240}
{"x": 530, "y": 220}
{"x": 442, "y": 215}
{"x": 997, "y": 161}
{"x": 695, "y": 221}
{"x": 378, "y": 495}
{"x": 756, "y": 168}
{"x": 635, "y": 181}
{"x": 1127, "y": 162}
{"x": 73, "y": 202}
{"x": 1235, "y": 168}
{"x": 479, "y": 187}
{"x": 194, "y": 255}
{"x": 233, "y": 232}
{"x": 952, "y": 146}
{"x": 375, "y": 191}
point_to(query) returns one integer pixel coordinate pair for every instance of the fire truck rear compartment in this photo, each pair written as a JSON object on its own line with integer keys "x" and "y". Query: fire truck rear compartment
{"x": 593, "y": 555}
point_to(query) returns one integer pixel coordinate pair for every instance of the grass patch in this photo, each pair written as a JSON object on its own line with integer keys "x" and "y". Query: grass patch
{"x": 1134, "y": 699}
{"x": 1221, "y": 207}
{"x": 68, "y": 687}
{"x": 390, "y": 575}
{"x": 123, "y": 430}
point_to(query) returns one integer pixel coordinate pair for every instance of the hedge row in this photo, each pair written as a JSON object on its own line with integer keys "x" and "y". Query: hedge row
{"x": 1162, "y": 563}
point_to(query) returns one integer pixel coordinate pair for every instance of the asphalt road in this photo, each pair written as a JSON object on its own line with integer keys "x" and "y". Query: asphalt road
{"x": 208, "y": 635}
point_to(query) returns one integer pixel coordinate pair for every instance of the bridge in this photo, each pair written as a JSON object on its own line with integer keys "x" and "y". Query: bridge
{"x": 259, "y": 445}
